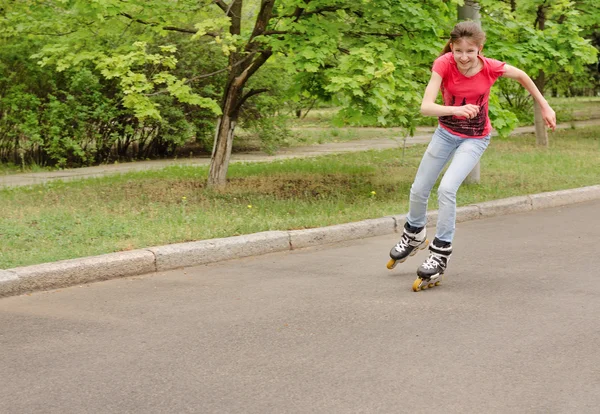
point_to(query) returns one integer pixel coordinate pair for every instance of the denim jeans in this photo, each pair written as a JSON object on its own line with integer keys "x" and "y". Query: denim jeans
{"x": 443, "y": 145}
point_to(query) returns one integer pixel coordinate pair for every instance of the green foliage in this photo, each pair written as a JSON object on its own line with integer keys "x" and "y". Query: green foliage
{"x": 372, "y": 58}
{"x": 272, "y": 132}
{"x": 47, "y": 117}
{"x": 510, "y": 97}
{"x": 503, "y": 120}
{"x": 559, "y": 50}
{"x": 112, "y": 78}
{"x": 136, "y": 85}
{"x": 75, "y": 117}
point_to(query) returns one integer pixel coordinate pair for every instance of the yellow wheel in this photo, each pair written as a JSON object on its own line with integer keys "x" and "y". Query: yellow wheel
{"x": 391, "y": 264}
{"x": 416, "y": 286}
{"x": 437, "y": 283}
{"x": 431, "y": 285}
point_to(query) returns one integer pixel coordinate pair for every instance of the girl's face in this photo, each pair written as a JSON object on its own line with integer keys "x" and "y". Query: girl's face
{"x": 465, "y": 53}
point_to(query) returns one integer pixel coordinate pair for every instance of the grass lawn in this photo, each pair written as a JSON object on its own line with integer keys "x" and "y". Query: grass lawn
{"x": 316, "y": 127}
{"x": 67, "y": 220}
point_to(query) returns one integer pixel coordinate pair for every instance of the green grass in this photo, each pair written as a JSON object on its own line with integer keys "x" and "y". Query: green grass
{"x": 317, "y": 128}
{"x": 59, "y": 220}
{"x": 576, "y": 109}
{"x": 312, "y": 136}
{"x": 11, "y": 168}
{"x": 318, "y": 117}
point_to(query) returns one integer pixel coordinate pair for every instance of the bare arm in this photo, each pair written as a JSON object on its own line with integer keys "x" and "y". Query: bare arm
{"x": 430, "y": 108}
{"x": 547, "y": 112}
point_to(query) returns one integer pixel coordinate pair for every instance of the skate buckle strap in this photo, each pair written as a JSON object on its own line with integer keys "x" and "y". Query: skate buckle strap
{"x": 442, "y": 251}
{"x": 407, "y": 241}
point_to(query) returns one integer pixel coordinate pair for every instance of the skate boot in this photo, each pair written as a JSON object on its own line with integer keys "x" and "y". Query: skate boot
{"x": 431, "y": 271}
{"x": 413, "y": 239}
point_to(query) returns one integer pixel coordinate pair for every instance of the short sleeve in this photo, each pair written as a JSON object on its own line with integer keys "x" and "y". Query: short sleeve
{"x": 496, "y": 68}
{"x": 441, "y": 65}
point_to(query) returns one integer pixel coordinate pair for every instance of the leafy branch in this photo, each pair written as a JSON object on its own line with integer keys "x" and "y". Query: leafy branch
{"x": 166, "y": 28}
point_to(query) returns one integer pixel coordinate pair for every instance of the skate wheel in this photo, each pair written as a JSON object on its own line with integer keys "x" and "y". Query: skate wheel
{"x": 416, "y": 285}
{"x": 391, "y": 264}
{"x": 437, "y": 283}
{"x": 431, "y": 285}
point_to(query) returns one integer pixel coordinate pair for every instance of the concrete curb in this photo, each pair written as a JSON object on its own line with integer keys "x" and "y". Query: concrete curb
{"x": 174, "y": 256}
{"x": 75, "y": 271}
{"x": 65, "y": 273}
{"x": 341, "y": 232}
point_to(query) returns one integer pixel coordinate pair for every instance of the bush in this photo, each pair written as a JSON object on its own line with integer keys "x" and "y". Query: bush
{"x": 75, "y": 118}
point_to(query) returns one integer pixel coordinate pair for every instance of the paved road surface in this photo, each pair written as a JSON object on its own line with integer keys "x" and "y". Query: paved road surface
{"x": 515, "y": 328}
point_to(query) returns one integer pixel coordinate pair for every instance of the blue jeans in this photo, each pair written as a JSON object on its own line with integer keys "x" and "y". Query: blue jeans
{"x": 442, "y": 147}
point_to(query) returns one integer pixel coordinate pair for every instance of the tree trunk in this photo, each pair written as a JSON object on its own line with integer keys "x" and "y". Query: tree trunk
{"x": 470, "y": 11}
{"x": 243, "y": 65}
{"x": 219, "y": 163}
{"x": 541, "y": 132}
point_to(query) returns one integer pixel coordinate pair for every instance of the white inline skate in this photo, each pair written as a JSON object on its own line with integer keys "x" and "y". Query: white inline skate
{"x": 431, "y": 271}
{"x": 413, "y": 239}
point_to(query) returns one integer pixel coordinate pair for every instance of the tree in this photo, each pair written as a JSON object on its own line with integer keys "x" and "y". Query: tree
{"x": 470, "y": 11}
{"x": 543, "y": 37}
{"x": 365, "y": 50}
{"x": 374, "y": 55}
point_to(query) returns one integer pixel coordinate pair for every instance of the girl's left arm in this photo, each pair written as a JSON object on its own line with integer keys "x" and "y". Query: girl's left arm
{"x": 547, "y": 112}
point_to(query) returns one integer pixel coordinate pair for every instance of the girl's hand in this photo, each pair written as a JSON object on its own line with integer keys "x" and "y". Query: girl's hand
{"x": 468, "y": 111}
{"x": 549, "y": 117}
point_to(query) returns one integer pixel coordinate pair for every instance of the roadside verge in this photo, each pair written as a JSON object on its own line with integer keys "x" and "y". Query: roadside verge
{"x": 72, "y": 272}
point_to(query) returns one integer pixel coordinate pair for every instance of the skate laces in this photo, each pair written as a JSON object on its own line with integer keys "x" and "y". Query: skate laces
{"x": 403, "y": 243}
{"x": 434, "y": 260}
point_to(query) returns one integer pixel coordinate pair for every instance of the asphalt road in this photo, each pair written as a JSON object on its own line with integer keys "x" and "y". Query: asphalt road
{"x": 514, "y": 328}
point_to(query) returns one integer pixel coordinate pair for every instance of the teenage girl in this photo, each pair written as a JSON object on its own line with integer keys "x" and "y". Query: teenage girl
{"x": 465, "y": 78}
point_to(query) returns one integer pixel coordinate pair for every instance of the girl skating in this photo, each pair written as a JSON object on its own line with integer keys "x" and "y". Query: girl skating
{"x": 465, "y": 78}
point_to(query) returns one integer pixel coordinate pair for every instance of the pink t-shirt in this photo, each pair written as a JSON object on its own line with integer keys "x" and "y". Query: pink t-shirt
{"x": 458, "y": 90}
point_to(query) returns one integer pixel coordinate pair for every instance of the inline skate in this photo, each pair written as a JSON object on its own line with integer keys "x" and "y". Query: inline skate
{"x": 413, "y": 239}
{"x": 431, "y": 271}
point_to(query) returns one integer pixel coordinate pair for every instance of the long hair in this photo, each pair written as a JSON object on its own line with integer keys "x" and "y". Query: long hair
{"x": 468, "y": 29}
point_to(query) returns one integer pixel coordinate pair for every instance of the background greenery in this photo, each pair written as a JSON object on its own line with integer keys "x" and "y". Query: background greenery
{"x": 60, "y": 220}
{"x": 90, "y": 82}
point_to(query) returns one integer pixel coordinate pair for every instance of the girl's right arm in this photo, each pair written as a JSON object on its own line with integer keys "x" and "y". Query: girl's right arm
{"x": 430, "y": 108}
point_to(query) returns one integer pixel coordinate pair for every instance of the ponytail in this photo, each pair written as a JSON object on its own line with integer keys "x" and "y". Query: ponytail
{"x": 446, "y": 48}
